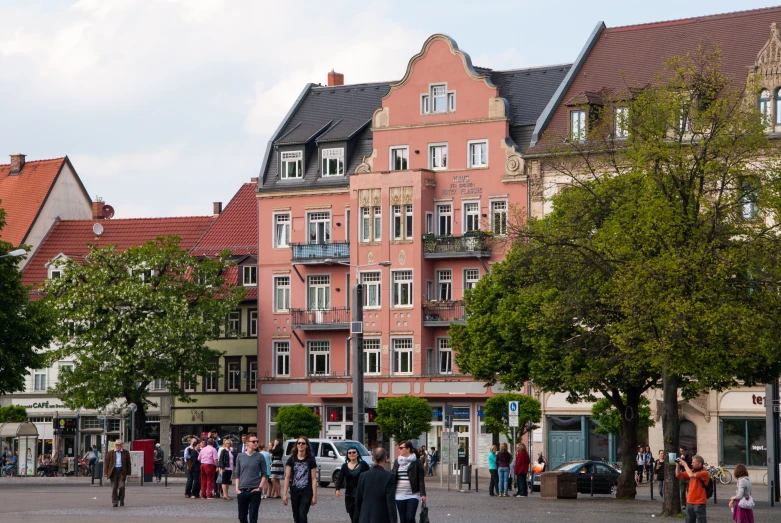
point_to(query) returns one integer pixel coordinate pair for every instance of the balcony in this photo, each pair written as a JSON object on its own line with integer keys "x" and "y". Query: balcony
{"x": 324, "y": 320}
{"x": 314, "y": 253}
{"x": 456, "y": 246}
{"x": 442, "y": 314}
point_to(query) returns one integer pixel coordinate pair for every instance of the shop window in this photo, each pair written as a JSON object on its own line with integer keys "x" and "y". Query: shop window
{"x": 335, "y": 413}
{"x": 688, "y": 436}
{"x": 744, "y": 441}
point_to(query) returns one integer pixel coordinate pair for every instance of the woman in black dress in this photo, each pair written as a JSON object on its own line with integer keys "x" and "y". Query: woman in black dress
{"x": 348, "y": 478}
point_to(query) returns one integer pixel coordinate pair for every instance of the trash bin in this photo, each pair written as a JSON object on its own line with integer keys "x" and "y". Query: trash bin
{"x": 97, "y": 470}
{"x": 558, "y": 485}
{"x": 466, "y": 475}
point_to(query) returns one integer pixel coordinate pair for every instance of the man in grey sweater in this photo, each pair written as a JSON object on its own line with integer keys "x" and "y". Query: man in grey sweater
{"x": 251, "y": 474}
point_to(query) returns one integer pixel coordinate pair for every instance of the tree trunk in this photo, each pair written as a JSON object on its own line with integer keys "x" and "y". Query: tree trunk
{"x": 670, "y": 431}
{"x": 627, "y": 489}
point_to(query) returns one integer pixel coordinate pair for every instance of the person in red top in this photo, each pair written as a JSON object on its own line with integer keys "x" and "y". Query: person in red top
{"x": 521, "y": 469}
{"x": 698, "y": 479}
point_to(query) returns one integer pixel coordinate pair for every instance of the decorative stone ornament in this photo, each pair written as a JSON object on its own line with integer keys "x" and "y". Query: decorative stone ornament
{"x": 513, "y": 162}
{"x": 402, "y": 257}
{"x": 367, "y": 164}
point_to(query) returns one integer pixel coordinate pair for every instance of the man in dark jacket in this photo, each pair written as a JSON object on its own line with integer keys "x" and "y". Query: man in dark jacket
{"x": 375, "y": 499}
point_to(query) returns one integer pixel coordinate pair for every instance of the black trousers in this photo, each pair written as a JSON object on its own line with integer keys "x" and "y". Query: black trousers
{"x": 301, "y": 501}
{"x": 196, "y": 473}
{"x": 493, "y": 486}
{"x": 349, "y": 504}
{"x": 249, "y": 505}
{"x": 522, "y": 485}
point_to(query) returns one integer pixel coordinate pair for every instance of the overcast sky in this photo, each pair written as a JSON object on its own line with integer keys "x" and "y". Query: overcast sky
{"x": 164, "y": 106}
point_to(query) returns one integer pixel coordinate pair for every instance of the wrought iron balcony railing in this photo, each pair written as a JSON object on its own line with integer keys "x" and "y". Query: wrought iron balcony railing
{"x": 316, "y": 319}
{"x": 319, "y": 252}
{"x": 442, "y": 314}
{"x": 455, "y": 246}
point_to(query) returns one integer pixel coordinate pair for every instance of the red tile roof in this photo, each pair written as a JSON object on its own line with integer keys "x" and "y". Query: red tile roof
{"x": 71, "y": 237}
{"x": 623, "y": 57}
{"x": 23, "y": 195}
{"x": 236, "y": 228}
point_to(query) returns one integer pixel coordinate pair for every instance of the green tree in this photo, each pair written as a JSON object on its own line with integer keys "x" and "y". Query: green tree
{"x": 25, "y": 326}
{"x": 403, "y": 417}
{"x": 298, "y": 420}
{"x": 609, "y": 419}
{"x": 496, "y": 418}
{"x": 128, "y": 318}
{"x": 655, "y": 267}
{"x": 13, "y": 414}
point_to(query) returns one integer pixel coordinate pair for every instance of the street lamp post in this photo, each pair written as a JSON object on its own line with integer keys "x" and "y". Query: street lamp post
{"x": 14, "y": 254}
{"x": 359, "y": 416}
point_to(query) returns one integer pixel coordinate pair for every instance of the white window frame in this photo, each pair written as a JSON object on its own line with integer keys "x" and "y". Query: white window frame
{"x": 444, "y": 356}
{"x": 40, "y": 379}
{"x": 372, "y": 280}
{"x": 765, "y": 107}
{"x": 402, "y": 219}
{"x": 285, "y": 289}
{"x": 281, "y": 220}
{"x": 372, "y": 356}
{"x": 55, "y": 273}
{"x": 437, "y": 156}
{"x": 442, "y": 210}
{"x": 483, "y": 158}
{"x": 252, "y": 323}
{"x": 323, "y": 234}
{"x": 430, "y": 223}
{"x": 493, "y": 204}
{"x": 291, "y": 157}
{"x": 366, "y": 225}
{"x": 327, "y": 156}
{"x": 321, "y": 284}
{"x": 189, "y": 386}
{"x": 233, "y": 378}
{"x": 252, "y": 372}
{"x": 392, "y": 157}
{"x": 621, "y": 123}
{"x": 399, "y": 350}
{"x": 429, "y": 290}
{"x": 444, "y": 285}
{"x": 281, "y": 358}
{"x": 409, "y": 220}
{"x": 233, "y": 318}
{"x": 249, "y": 276}
{"x": 471, "y": 211}
{"x": 398, "y": 284}
{"x": 377, "y": 223}
{"x": 211, "y": 378}
{"x": 469, "y": 279}
{"x": 314, "y": 355}
{"x": 577, "y": 125}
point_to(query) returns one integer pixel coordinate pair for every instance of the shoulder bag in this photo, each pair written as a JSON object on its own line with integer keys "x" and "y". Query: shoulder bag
{"x": 424, "y": 514}
{"x": 746, "y": 502}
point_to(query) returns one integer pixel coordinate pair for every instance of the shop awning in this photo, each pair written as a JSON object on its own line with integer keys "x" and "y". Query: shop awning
{"x": 14, "y": 430}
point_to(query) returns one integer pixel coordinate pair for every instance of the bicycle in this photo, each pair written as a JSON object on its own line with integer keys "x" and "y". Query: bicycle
{"x": 174, "y": 465}
{"x": 83, "y": 468}
{"x": 764, "y": 479}
{"x": 723, "y": 475}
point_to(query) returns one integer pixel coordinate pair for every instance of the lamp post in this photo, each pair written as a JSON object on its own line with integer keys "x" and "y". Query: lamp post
{"x": 14, "y": 254}
{"x": 356, "y": 334}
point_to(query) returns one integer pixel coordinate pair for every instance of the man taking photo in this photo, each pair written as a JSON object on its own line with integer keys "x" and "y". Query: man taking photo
{"x": 698, "y": 478}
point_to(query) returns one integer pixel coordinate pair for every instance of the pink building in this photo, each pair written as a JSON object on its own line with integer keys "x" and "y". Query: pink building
{"x": 424, "y": 173}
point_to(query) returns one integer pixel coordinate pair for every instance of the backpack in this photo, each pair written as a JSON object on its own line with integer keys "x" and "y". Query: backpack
{"x": 708, "y": 487}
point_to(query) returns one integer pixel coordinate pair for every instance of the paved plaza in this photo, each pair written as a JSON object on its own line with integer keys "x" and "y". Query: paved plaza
{"x": 74, "y": 500}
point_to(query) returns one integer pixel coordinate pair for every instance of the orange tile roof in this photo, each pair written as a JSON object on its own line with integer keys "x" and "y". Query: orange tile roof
{"x": 71, "y": 237}
{"x": 236, "y": 228}
{"x": 23, "y": 195}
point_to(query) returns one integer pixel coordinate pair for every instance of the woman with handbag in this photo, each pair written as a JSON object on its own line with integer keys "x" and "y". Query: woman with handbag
{"x": 742, "y": 504}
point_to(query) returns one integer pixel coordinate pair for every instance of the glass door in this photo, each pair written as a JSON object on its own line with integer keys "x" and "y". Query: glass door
{"x": 463, "y": 443}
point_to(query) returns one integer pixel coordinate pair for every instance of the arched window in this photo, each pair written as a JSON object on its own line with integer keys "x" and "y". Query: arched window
{"x": 764, "y": 106}
{"x": 688, "y": 436}
{"x": 778, "y": 106}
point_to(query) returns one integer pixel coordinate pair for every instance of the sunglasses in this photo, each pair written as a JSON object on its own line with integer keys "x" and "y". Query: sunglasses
{"x": 352, "y": 452}
{"x": 301, "y": 443}
{"x": 252, "y": 441}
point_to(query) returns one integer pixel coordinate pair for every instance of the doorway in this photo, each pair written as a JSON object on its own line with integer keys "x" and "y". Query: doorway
{"x": 463, "y": 444}
{"x": 564, "y": 447}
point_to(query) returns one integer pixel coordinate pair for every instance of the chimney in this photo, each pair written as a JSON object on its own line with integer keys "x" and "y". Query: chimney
{"x": 17, "y": 162}
{"x": 335, "y": 78}
{"x": 217, "y": 209}
{"x": 97, "y": 210}
{"x": 254, "y": 179}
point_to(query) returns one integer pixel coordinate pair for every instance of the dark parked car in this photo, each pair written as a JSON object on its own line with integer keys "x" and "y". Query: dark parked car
{"x": 605, "y": 477}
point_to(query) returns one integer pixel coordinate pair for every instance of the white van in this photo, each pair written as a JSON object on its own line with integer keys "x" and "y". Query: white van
{"x": 330, "y": 455}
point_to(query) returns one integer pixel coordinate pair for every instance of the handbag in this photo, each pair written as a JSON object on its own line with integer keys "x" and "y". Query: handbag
{"x": 746, "y": 503}
{"x": 424, "y": 514}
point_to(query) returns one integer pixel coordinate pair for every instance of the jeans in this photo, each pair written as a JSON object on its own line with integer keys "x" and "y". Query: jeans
{"x": 207, "y": 481}
{"x": 249, "y": 505}
{"x": 407, "y": 509}
{"x": 504, "y": 473}
{"x": 493, "y": 486}
{"x": 522, "y": 485}
{"x": 158, "y": 470}
{"x": 683, "y": 488}
{"x": 431, "y": 466}
{"x": 188, "y": 487}
{"x": 695, "y": 514}
{"x": 661, "y": 487}
{"x": 300, "y": 500}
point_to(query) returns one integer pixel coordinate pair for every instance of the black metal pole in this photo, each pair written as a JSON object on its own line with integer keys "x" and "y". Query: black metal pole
{"x": 592, "y": 484}
{"x": 715, "y": 491}
{"x": 476, "y": 480}
{"x": 652, "y": 484}
{"x": 165, "y": 471}
{"x": 358, "y": 406}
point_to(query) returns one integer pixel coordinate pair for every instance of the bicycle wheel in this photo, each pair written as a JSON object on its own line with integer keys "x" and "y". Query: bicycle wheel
{"x": 171, "y": 468}
{"x": 725, "y": 477}
{"x": 764, "y": 479}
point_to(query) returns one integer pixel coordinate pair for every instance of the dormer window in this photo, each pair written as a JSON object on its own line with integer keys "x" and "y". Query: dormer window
{"x": 621, "y": 125}
{"x": 250, "y": 275}
{"x": 577, "y": 125}
{"x": 333, "y": 162}
{"x": 438, "y": 100}
{"x": 292, "y": 165}
{"x": 55, "y": 273}
{"x": 764, "y": 107}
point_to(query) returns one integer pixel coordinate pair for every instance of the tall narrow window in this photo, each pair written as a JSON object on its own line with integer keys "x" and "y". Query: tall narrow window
{"x": 499, "y": 217}
{"x": 252, "y": 384}
{"x": 471, "y": 277}
{"x": 429, "y": 223}
{"x": 748, "y": 201}
{"x": 445, "y": 356}
{"x": 210, "y": 380}
{"x": 319, "y": 358}
{"x": 252, "y": 321}
{"x": 234, "y": 375}
{"x": 281, "y": 293}
{"x": 577, "y": 125}
{"x": 445, "y": 285}
{"x": 399, "y": 158}
{"x": 437, "y": 157}
{"x": 402, "y": 222}
{"x": 778, "y": 106}
{"x": 397, "y": 221}
{"x": 333, "y": 162}
{"x": 408, "y": 221}
{"x": 233, "y": 324}
{"x": 282, "y": 230}
{"x": 377, "y": 224}
{"x": 478, "y": 154}
{"x": 444, "y": 220}
{"x": 371, "y": 288}
{"x": 402, "y": 355}
{"x": 250, "y": 275}
{"x": 439, "y": 98}
{"x": 320, "y": 292}
{"x": 372, "y": 356}
{"x": 402, "y": 288}
{"x": 39, "y": 379}
{"x": 292, "y": 165}
{"x": 282, "y": 358}
{"x": 366, "y": 224}
{"x": 621, "y": 124}
{"x": 471, "y": 216}
{"x": 764, "y": 106}
{"x": 319, "y": 227}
